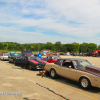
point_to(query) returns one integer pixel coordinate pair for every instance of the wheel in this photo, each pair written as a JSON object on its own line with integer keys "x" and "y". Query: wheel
{"x": 9, "y": 61}
{"x": 53, "y": 73}
{"x": 30, "y": 66}
{"x": 14, "y": 61}
{"x": 85, "y": 83}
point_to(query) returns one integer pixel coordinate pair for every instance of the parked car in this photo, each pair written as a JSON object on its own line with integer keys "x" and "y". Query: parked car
{"x": 81, "y": 54}
{"x": 0, "y": 55}
{"x": 79, "y": 70}
{"x": 61, "y": 53}
{"x": 89, "y": 54}
{"x": 4, "y": 56}
{"x": 28, "y": 60}
{"x": 51, "y": 59}
{"x": 12, "y": 56}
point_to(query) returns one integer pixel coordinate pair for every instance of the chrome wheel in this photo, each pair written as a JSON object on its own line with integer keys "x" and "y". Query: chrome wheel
{"x": 85, "y": 83}
{"x": 52, "y": 73}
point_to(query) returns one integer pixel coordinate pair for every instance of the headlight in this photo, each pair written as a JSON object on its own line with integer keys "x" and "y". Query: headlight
{"x": 38, "y": 66}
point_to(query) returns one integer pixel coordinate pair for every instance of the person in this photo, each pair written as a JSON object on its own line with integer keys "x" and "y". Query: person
{"x": 43, "y": 72}
{"x": 57, "y": 54}
{"x": 39, "y": 55}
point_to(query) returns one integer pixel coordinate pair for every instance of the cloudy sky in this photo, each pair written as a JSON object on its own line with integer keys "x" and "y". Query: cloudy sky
{"x": 41, "y": 21}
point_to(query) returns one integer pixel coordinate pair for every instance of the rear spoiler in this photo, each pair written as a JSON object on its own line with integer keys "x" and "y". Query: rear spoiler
{"x": 26, "y": 52}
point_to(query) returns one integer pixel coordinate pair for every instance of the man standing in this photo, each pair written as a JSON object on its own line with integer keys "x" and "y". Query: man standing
{"x": 39, "y": 55}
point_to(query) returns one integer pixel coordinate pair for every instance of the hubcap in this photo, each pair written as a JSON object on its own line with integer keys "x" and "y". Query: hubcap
{"x": 84, "y": 82}
{"x": 52, "y": 73}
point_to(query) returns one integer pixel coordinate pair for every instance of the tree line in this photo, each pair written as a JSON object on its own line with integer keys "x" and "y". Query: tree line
{"x": 54, "y": 47}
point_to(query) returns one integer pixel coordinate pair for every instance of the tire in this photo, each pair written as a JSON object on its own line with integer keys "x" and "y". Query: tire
{"x": 85, "y": 83}
{"x": 14, "y": 61}
{"x": 9, "y": 61}
{"x": 30, "y": 66}
{"x": 53, "y": 73}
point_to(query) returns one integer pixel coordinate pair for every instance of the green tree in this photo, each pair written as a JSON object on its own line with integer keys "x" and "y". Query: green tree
{"x": 98, "y": 47}
{"x": 64, "y": 49}
{"x": 5, "y": 45}
{"x": 58, "y": 46}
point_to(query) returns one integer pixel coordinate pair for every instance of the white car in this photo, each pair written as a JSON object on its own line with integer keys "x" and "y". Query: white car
{"x": 4, "y": 56}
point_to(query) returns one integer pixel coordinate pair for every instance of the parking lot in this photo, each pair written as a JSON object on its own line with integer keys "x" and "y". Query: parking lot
{"x": 23, "y": 84}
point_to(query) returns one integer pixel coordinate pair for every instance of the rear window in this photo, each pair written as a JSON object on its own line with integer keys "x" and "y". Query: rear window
{"x": 5, "y": 54}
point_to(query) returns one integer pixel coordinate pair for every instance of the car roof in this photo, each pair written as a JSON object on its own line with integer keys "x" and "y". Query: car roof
{"x": 73, "y": 59}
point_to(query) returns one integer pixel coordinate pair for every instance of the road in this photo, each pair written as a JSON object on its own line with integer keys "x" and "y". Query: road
{"x": 23, "y": 84}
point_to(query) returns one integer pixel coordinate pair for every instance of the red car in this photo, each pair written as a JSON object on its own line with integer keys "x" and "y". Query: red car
{"x": 51, "y": 59}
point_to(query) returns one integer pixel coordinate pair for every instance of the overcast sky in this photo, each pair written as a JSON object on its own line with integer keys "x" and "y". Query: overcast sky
{"x": 42, "y": 21}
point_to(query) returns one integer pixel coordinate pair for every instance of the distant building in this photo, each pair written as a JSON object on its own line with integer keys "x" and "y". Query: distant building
{"x": 46, "y": 50}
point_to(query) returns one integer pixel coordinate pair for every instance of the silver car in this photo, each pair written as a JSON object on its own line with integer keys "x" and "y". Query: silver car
{"x": 4, "y": 56}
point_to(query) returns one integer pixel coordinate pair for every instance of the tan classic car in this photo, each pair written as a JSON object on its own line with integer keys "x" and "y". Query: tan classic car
{"x": 79, "y": 70}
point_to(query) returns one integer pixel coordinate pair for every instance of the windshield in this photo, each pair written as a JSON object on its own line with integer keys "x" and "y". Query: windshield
{"x": 82, "y": 64}
{"x": 33, "y": 58}
{"x": 15, "y": 54}
{"x": 55, "y": 57}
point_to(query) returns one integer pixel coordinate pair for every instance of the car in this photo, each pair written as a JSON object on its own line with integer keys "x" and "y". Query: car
{"x": 28, "y": 60}
{"x": 0, "y": 55}
{"x": 12, "y": 57}
{"x": 80, "y": 54}
{"x": 79, "y": 70}
{"x": 62, "y": 53}
{"x": 89, "y": 54}
{"x": 4, "y": 56}
{"x": 51, "y": 59}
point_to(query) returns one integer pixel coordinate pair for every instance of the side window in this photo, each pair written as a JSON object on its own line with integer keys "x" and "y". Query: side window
{"x": 50, "y": 57}
{"x": 67, "y": 64}
{"x": 46, "y": 59}
{"x": 58, "y": 62}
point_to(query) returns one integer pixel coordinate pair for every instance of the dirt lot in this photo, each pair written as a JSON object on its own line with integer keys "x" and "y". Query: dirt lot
{"x": 18, "y": 84}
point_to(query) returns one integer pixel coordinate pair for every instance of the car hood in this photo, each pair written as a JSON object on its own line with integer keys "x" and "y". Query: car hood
{"x": 38, "y": 61}
{"x": 91, "y": 69}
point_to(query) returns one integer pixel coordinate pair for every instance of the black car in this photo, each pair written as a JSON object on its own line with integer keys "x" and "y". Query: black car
{"x": 89, "y": 54}
{"x": 12, "y": 57}
{"x": 28, "y": 60}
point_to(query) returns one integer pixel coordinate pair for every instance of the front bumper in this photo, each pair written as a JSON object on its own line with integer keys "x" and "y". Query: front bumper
{"x": 40, "y": 66}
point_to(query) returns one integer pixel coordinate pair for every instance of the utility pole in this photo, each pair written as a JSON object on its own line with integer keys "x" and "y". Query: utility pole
{"x": 38, "y": 47}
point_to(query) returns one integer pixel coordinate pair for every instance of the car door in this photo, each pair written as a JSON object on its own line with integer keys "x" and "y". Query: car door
{"x": 68, "y": 71}
{"x": 58, "y": 64}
